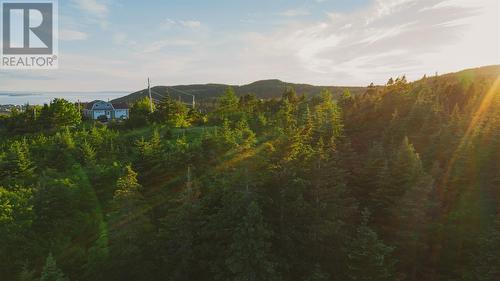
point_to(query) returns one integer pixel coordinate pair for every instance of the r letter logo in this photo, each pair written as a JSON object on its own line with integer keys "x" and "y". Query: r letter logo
{"x": 29, "y": 30}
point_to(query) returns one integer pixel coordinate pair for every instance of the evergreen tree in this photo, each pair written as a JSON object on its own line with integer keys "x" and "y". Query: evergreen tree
{"x": 285, "y": 118}
{"x": 26, "y": 274}
{"x": 245, "y": 137}
{"x": 369, "y": 258}
{"x": 17, "y": 163}
{"x": 51, "y": 272}
{"x": 486, "y": 259}
{"x": 61, "y": 113}
{"x": 329, "y": 117}
{"x": 88, "y": 153}
{"x": 129, "y": 228}
{"x": 16, "y": 218}
{"x": 250, "y": 251}
{"x": 318, "y": 274}
{"x": 227, "y": 106}
{"x": 347, "y": 97}
{"x": 140, "y": 113}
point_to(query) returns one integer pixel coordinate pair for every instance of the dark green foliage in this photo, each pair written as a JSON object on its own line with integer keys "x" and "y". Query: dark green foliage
{"x": 487, "y": 260}
{"x": 272, "y": 190}
{"x": 250, "y": 256}
{"x": 139, "y": 114}
{"x": 51, "y": 272}
{"x": 60, "y": 113}
{"x": 129, "y": 229}
{"x": 265, "y": 89}
{"x": 368, "y": 257}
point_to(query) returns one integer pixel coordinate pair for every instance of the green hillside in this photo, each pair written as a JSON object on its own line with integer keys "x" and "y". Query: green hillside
{"x": 265, "y": 89}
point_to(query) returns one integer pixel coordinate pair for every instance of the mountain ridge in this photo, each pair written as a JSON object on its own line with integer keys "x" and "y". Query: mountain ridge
{"x": 265, "y": 89}
{"x": 274, "y": 88}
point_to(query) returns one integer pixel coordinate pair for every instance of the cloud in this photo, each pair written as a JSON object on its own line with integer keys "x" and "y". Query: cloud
{"x": 119, "y": 38}
{"x": 99, "y": 10}
{"x": 161, "y": 44}
{"x": 384, "y": 39}
{"x": 190, "y": 23}
{"x": 72, "y": 35}
{"x": 95, "y": 12}
{"x": 390, "y": 37}
{"x": 294, "y": 13}
{"x": 168, "y": 23}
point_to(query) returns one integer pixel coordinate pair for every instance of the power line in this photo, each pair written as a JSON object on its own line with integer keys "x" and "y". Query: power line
{"x": 185, "y": 93}
{"x": 162, "y": 96}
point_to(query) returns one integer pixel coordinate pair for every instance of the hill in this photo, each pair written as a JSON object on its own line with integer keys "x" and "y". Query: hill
{"x": 265, "y": 89}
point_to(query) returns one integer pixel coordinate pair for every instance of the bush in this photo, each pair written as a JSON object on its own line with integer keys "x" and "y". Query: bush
{"x": 102, "y": 118}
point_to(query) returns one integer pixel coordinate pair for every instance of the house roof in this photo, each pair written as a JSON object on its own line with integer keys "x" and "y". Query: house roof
{"x": 89, "y": 105}
{"x": 121, "y": 105}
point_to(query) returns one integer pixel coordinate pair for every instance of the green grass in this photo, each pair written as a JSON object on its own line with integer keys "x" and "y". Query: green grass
{"x": 191, "y": 133}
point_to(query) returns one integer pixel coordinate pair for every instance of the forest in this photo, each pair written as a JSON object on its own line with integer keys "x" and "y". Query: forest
{"x": 399, "y": 182}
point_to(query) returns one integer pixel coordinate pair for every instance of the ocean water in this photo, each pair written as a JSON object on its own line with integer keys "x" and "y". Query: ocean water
{"x": 20, "y": 98}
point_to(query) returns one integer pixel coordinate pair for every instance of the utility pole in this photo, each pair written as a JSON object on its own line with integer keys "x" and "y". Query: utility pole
{"x": 34, "y": 113}
{"x": 150, "y": 98}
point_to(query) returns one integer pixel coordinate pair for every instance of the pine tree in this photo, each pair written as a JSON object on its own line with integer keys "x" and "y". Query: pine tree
{"x": 177, "y": 237}
{"x": 250, "y": 253}
{"x": 369, "y": 258}
{"x": 406, "y": 167}
{"x": 97, "y": 256}
{"x": 226, "y": 135}
{"x": 62, "y": 113}
{"x": 412, "y": 219}
{"x": 51, "y": 272}
{"x": 227, "y": 105}
{"x": 129, "y": 227}
{"x": 88, "y": 153}
{"x": 486, "y": 260}
{"x": 307, "y": 124}
{"x": 26, "y": 274}
{"x": 347, "y": 97}
{"x": 329, "y": 117}
{"x": 245, "y": 137}
{"x": 318, "y": 274}
{"x": 286, "y": 116}
{"x": 18, "y": 162}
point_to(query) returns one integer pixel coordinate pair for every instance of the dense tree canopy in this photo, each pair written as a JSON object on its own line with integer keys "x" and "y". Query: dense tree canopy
{"x": 398, "y": 183}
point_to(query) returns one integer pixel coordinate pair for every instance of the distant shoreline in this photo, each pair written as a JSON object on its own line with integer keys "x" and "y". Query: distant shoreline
{"x": 40, "y": 98}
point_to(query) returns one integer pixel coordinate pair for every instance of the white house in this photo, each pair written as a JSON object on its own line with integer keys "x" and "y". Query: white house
{"x": 112, "y": 111}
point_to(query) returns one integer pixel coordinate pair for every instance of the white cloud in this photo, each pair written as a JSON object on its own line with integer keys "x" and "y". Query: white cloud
{"x": 119, "y": 38}
{"x": 391, "y": 37}
{"x": 95, "y": 12}
{"x": 93, "y": 7}
{"x": 72, "y": 35}
{"x": 387, "y": 38}
{"x": 295, "y": 13}
{"x": 190, "y": 23}
{"x": 159, "y": 45}
{"x": 169, "y": 23}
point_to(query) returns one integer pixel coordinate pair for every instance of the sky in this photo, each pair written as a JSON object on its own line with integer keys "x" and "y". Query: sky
{"x": 113, "y": 45}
